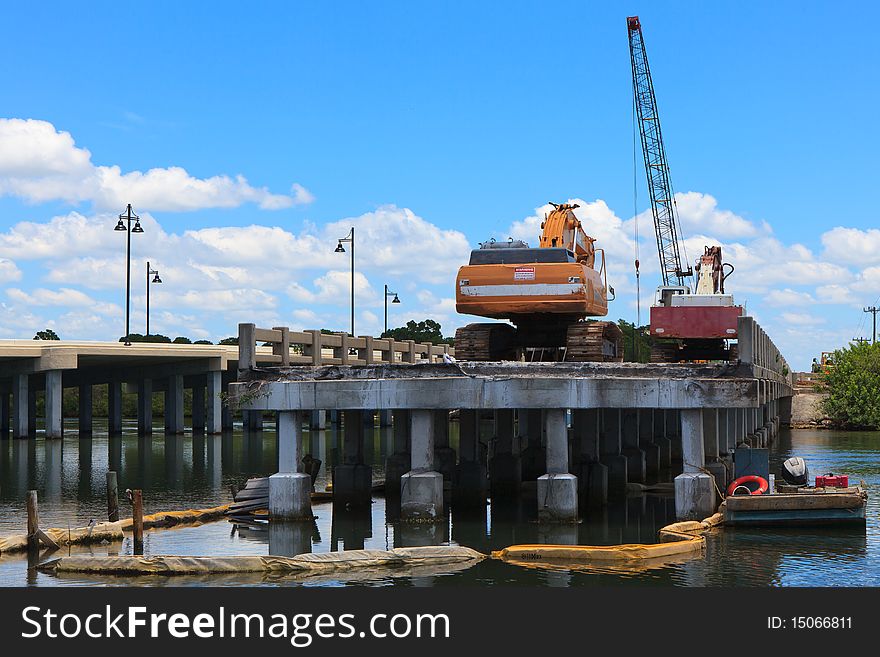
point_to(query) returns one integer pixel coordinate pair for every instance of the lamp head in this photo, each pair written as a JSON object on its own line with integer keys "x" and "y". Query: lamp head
{"x": 120, "y": 225}
{"x": 137, "y": 227}
{"x": 339, "y": 248}
{"x": 395, "y": 299}
{"x": 156, "y": 279}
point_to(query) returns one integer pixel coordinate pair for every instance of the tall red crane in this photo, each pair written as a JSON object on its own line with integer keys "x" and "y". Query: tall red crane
{"x": 685, "y": 324}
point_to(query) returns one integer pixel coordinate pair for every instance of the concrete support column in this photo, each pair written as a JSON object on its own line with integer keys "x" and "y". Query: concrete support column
{"x": 532, "y": 457}
{"x": 214, "y": 403}
{"x": 469, "y": 487}
{"x": 610, "y": 448}
{"x": 145, "y": 407}
{"x": 198, "y": 408}
{"x": 421, "y": 489}
{"x": 591, "y": 473}
{"x": 174, "y": 405}
{"x": 672, "y": 418}
{"x": 557, "y": 490}
{"x": 252, "y": 420}
{"x": 20, "y": 426}
{"x": 398, "y": 462}
{"x": 353, "y": 479}
{"x": 444, "y": 455}
{"x": 710, "y": 434}
{"x": 32, "y": 408}
{"x": 505, "y": 466}
{"x": 784, "y": 410}
{"x": 694, "y": 489}
{"x": 290, "y": 489}
{"x": 85, "y": 410}
{"x": 317, "y": 420}
{"x": 385, "y": 418}
{"x": 54, "y": 390}
{"x": 636, "y": 467}
{"x": 647, "y": 441}
{"x": 4, "y": 415}
{"x": 114, "y": 408}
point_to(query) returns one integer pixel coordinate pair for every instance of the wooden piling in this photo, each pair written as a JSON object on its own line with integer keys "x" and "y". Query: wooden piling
{"x": 33, "y": 522}
{"x": 137, "y": 516}
{"x": 112, "y": 497}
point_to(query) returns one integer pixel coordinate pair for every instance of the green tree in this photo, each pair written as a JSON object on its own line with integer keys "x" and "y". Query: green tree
{"x": 636, "y": 342}
{"x": 425, "y": 331}
{"x": 230, "y": 340}
{"x": 203, "y": 342}
{"x": 152, "y": 337}
{"x": 853, "y": 384}
{"x": 181, "y": 340}
{"x": 46, "y": 334}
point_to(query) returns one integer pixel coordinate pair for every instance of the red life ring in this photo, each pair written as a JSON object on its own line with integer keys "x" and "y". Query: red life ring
{"x": 763, "y": 486}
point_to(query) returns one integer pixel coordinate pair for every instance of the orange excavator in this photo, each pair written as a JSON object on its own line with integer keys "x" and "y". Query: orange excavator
{"x": 546, "y": 293}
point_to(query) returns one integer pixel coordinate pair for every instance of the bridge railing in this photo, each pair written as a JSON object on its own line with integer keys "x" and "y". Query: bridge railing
{"x": 758, "y": 350}
{"x": 317, "y": 348}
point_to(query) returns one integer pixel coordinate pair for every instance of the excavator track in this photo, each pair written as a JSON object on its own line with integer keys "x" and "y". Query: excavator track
{"x": 594, "y": 341}
{"x": 665, "y": 351}
{"x": 485, "y": 342}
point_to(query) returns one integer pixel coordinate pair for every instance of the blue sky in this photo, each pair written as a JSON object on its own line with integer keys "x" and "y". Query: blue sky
{"x": 430, "y": 127}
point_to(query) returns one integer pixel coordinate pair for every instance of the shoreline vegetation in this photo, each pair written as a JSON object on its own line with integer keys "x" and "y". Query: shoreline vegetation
{"x": 852, "y": 388}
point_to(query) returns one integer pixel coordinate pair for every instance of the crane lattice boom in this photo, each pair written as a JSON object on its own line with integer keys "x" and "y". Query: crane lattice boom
{"x": 657, "y": 170}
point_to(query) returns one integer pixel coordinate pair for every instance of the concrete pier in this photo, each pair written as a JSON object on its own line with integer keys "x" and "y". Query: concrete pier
{"x": 557, "y": 490}
{"x": 174, "y": 405}
{"x": 398, "y": 462}
{"x": 591, "y": 473}
{"x": 198, "y": 408}
{"x": 54, "y": 390}
{"x": 610, "y": 451}
{"x": 636, "y": 465}
{"x": 145, "y": 407}
{"x": 214, "y": 402}
{"x": 5, "y": 415}
{"x": 647, "y": 442}
{"x": 530, "y": 429}
{"x": 469, "y": 484}
{"x": 444, "y": 455}
{"x": 20, "y": 428}
{"x": 114, "y": 408}
{"x": 421, "y": 489}
{"x": 290, "y": 488}
{"x": 505, "y": 466}
{"x": 85, "y": 410}
{"x": 694, "y": 489}
{"x": 352, "y": 478}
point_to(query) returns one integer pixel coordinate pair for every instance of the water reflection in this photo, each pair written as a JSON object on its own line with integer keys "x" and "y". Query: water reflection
{"x": 178, "y": 472}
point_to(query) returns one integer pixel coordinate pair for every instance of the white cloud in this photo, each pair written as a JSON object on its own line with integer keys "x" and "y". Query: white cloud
{"x": 788, "y": 298}
{"x": 39, "y": 163}
{"x": 802, "y": 319}
{"x": 700, "y": 213}
{"x": 9, "y": 271}
{"x": 852, "y": 246}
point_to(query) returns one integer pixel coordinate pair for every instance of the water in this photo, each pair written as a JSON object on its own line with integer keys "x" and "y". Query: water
{"x": 196, "y": 472}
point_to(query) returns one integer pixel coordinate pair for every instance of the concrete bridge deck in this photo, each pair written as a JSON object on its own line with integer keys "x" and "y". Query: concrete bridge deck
{"x": 582, "y": 430}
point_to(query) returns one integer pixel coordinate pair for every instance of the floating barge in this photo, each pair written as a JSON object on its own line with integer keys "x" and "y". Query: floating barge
{"x": 806, "y": 506}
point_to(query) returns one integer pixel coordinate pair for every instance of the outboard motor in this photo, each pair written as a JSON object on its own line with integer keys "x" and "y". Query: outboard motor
{"x": 795, "y": 471}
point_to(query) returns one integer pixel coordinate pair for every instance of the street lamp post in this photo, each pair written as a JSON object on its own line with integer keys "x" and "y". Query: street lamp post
{"x": 155, "y": 280}
{"x": 341, "y": 249}
{"x": 396, "y": 299}
{"x": 127, "y": 227}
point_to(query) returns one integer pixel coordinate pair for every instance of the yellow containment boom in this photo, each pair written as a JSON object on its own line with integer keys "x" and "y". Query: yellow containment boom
{"x": 309, "y": 564}
{"x": 681, "y": 540}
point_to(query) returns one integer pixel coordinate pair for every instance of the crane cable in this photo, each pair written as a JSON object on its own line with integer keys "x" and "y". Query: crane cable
{"x": 636, "y": 230}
